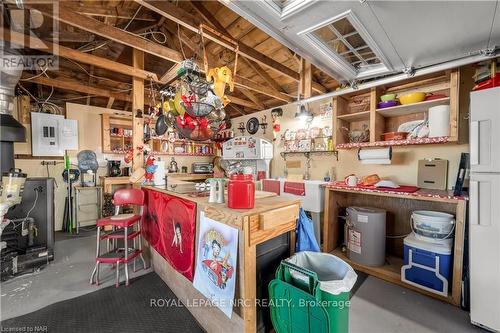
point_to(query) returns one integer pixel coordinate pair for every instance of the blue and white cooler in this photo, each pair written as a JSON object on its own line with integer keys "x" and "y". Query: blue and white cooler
{"x": 427, "y": 265}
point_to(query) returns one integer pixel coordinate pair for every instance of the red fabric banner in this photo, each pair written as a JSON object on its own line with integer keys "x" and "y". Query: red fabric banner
{"x": 171, "y": 230}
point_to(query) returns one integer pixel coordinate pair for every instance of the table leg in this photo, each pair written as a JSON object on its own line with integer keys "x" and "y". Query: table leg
{"x": 99, "y": 202}
{"x": 293, "y": 240}
{"x": 77, "y": 205}
{"x": 250, "y": 282}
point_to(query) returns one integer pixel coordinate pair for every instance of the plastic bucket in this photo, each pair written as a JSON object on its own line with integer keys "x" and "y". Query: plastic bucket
{"x": 432, "y": 225}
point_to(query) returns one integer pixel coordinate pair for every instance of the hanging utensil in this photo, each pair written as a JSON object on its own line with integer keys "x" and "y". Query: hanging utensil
{"x": 161, "y": 123}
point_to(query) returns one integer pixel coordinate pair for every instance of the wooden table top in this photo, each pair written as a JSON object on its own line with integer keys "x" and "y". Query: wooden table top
{"x": 264, "y": 201}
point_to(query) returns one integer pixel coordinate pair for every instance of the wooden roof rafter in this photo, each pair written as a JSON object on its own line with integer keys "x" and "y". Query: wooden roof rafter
{"x": 259, "y": 85}
{"x": 118, "y": 35}
{"x": 185, "y": 19}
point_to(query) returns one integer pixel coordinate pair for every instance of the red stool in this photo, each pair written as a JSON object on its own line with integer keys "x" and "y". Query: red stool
{"x": 124, "y": 226}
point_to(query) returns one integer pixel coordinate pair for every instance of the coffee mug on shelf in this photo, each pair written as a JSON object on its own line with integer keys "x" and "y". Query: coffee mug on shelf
{"x": 351, "y": 180}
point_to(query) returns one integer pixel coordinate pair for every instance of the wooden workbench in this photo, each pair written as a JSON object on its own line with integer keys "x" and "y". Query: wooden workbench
{"x": 272, "y": 216}
{"x": 108, "y": 182}
{"x": 399, "y": 207}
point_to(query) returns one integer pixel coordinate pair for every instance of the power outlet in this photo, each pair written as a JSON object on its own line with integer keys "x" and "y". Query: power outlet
{"x": 48, "y": 162}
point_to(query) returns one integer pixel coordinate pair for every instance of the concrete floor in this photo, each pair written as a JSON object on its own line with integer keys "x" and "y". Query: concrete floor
{"x": 376, "y": 306}
{"x": 66, "y": 277}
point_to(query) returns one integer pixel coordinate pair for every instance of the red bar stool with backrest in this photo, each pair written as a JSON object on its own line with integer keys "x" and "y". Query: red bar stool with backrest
{"x": 124, "y": 226}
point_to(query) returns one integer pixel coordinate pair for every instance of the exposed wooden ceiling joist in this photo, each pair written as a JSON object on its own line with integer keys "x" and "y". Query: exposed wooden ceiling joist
{"x": 109, "y": 13}
{"x": 237, "y": 109}
{"x": 66, "y": 15}
{"x": 263, "y": 74}
{"x": 182, "y": 17}
{"x": 251, "y": 96}
{"x": 210, "y": 19}
{"x": 239, "y": 81}
{"x": 86, "y": 58}
{"x": 78, "y": 87}
{"x": 242, "y": 102}
{"x": 118, "y": 35}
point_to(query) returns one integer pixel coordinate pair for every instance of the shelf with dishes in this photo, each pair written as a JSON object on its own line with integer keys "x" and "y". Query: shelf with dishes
{"x": 395, "y": 143}
{"x": 307, "y": 153}
{"x": 181, "y": 147}
{"x": 116, "y": 134}
{"x": 180, "y": 154}
{"x": 398, "y": 114}
{"x": 419, "y": 107}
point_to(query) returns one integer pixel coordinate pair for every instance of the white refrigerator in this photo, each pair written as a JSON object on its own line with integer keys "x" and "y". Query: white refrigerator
{"x": 484, "y": 208}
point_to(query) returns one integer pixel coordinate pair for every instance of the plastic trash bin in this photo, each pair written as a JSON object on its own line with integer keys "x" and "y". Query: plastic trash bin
{"x": 310, "y": 293}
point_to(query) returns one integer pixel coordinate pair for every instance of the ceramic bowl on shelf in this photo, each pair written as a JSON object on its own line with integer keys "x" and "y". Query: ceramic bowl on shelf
{"x": 388, "y": 97}
{"x": 431, "y": 97}
{"x": 387, "y": 104}
{"x": 415, "y": 97}
{"x": 390, "y": 136}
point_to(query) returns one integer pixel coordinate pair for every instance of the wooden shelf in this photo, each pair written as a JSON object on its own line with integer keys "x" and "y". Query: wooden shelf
{"x": 180, "y": 154}
{"x": 183, "y": 140}
{"x": 401, "y": 110}
{"x": 399, "y": 207}
{"x": 390, "y": 272}
{"x": 358, "y": 116}
{"x": 350, "y": 112}
{"x": 113, "y": 152}
{"x": 410, "y": 142}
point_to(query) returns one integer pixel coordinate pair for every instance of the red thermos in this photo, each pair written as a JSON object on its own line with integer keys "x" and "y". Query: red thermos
{"x": 240, "y": 192}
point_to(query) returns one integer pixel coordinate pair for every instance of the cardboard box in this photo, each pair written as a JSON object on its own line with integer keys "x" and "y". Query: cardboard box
{"x": 433, "y": 174}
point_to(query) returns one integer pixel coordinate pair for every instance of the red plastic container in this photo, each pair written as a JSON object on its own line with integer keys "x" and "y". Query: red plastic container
{"x": 241, "y": 192}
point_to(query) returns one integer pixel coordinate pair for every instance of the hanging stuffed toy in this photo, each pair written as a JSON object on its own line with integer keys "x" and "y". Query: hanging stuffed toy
{"x": 221, "y": 76}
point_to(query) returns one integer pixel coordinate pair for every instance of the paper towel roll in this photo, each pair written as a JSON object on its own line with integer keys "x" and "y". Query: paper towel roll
{"x": 439, "y": 121}
{"x": 376, "y": 161}
{"x": 376, "y": 153}
{"x": 159, "y": 175}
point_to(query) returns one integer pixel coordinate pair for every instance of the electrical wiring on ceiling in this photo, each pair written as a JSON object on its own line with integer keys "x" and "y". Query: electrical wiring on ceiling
{"x": 95, "y": 45}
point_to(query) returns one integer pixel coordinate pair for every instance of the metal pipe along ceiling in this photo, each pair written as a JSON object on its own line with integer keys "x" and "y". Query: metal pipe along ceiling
{"x": 402, "y": 76}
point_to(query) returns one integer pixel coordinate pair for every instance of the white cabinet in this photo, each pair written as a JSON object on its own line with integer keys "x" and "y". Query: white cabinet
{"x": 485, "y": 130}
{"x": 484, "y": 245}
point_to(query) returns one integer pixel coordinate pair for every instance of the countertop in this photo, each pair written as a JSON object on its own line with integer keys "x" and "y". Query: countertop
{"x": 421, "y": 194}
{"x": 264, "y": 201}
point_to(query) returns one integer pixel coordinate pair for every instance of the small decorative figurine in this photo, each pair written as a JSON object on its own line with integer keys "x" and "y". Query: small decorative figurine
{"x": 150, "y": 169}
{"x": 173, "y": 166}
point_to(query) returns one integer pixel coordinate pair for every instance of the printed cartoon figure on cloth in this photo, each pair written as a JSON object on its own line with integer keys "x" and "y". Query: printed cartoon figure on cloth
{"x": 177, "y": 239}
{"x": 216, "y": 261}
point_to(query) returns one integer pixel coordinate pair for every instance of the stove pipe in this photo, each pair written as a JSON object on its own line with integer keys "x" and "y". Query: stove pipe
{"x": 10, "y": 129}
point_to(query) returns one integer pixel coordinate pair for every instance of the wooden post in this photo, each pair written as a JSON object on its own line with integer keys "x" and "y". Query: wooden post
{"x": 456, "y": 283}
{"x": 137, "y": 106}
{"x": 305, "y": 83}
{"x": 454, "y": 107}
{"x": 377, "y": 121}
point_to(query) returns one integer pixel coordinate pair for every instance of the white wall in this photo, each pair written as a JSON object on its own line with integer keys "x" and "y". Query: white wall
{"x": 402, "y": 170}
{"x": 89, "y": 137}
